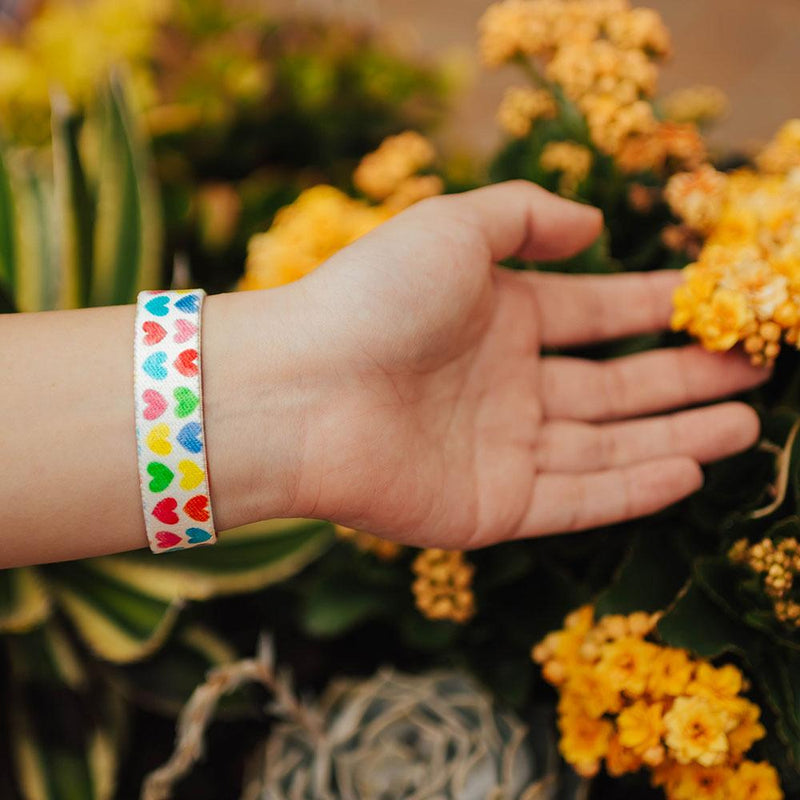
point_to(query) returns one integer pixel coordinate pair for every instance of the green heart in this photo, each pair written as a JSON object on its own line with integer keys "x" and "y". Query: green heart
{"x": 162, "y": 476}
{"x": 187, "y": 401}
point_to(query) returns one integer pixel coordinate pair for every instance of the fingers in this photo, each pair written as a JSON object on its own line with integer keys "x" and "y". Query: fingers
{"x": 518, "y": 218}
{"x": 642, "y": 384}
{"x": 566, "y": 503}
{"x": 579, "y": 309}
{"x": 704, "y": 435}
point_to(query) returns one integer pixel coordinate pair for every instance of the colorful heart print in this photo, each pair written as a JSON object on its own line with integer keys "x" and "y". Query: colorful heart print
{"x": 154, "y": 333}
{"x": 154, "y": 365}
{"x": 189, "y": 303}
{"x": 193, "y": 476}
{"x": 196, "y": 508}
{"x": 187, "y": 401}
{"x": 165, "y": 511}
{"x": 159, "y": 305}
{"x": 189, "y": 437}
{"x": 185, "y": 363}
{"x": 184, "y": 330}
{"x": 162, "y": 476}
{"x": 172, "y": 468}
{"x": 167, "y": 539}
{"x": 158, "y": 439}
{"x": 155, "y": 404}
{"x": 197, "y": 535}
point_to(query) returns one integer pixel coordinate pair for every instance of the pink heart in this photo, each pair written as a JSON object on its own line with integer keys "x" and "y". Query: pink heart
{"x": 156, "y": 404}
{"x": 167, "y": 539}
{"x": 185, "y": 330}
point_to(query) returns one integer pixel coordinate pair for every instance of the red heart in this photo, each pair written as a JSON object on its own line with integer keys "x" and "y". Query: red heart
{"x": 167, "y": 539}
{"x": 156, "y": 404}
{"x": 165, "y": 511}
{"x": 196, "y": 508}
{"x": 155, "y": 333}
{"x": 184, "y": 330}
{"x": 184, "y": 363}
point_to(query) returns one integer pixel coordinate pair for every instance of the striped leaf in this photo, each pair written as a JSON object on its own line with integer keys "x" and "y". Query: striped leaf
{"x": 244, "y": 560}
{"x": 75, "y": 205}
{"x": 24, "y": 602}
{"x": 64, "y": 734}
{"x": 8, "y": 256}
{"x": 127, "y": 232}
{"x": 38, "y": 284}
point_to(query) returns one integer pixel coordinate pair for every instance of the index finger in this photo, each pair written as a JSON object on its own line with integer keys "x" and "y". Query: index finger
{"x": 582, "y": 309}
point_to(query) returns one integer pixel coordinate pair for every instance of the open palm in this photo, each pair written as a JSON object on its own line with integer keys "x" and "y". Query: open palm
{"x": 444, "y": 425}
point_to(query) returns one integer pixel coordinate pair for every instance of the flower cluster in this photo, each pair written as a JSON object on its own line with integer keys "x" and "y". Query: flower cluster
{"x": 443, "y": 586}
{"x": 324, "y": 220}
{"x": 602, "y": 54}
{"x": 778, "y": 563}
{"x": 382, "y": 549}
{"x": 390, "y": 173}
{"x": 522, "y": 106}
{"x": 573, "y": 162}
{"x": 632, "y": 703}
{"x": 745, "y": 284}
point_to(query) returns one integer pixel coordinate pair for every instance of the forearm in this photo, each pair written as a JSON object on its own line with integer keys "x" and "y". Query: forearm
{"x": 69, "y": 482}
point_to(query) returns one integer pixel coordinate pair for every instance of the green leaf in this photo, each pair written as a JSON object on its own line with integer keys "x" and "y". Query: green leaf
{"x": 244, "y": 560}
{"x": 650, "y": 577}
{"x": 128, "y": 224}
{"x": 696, "y": 623}
{"x": 334, "y": 607}
{"x": 24, "y": 602}
{"x": 65, "y": 736}
{"x": 8, "y": 255}
{"x": 75, "y": 205}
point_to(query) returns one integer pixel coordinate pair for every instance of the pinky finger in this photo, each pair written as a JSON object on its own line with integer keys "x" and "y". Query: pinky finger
{"x": 564, "y": 503}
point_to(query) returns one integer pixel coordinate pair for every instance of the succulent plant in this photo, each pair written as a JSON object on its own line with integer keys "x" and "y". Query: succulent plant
{"x": 429, "y": 737}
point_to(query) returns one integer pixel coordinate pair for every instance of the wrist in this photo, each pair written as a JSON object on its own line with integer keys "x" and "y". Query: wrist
{"x": 257, "y": 400}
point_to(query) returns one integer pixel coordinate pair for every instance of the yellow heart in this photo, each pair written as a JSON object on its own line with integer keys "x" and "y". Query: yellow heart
{"x": 192, "y": 474}
{"x": 158, "y": 440}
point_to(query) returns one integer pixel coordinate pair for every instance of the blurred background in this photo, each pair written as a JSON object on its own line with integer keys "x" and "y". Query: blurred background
{"x": 746, "y": 47}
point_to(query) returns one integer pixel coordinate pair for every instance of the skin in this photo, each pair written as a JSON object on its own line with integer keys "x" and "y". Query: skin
{"x": 398, "y": 389}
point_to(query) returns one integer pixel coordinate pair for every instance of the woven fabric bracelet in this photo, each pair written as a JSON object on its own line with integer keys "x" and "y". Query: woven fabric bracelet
{"x": 173, "y": 471}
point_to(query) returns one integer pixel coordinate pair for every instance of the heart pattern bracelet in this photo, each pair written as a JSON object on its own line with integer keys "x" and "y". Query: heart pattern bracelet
{"x": 168, "y": 398}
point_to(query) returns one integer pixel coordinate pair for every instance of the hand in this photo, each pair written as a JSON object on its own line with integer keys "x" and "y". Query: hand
{"x": 441, "y": 424}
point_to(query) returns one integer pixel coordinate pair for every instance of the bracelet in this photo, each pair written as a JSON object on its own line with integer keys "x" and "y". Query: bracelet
{"x": 168, "y": 398}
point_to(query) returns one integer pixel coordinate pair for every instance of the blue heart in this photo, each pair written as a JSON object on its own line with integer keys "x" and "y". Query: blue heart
{"x": 197, "y": 535}
{"x": 189, "y": 437}
{"x": 188, "y": 303}
{"x": 154, "y": 365}
{"x": 158, "y": 305}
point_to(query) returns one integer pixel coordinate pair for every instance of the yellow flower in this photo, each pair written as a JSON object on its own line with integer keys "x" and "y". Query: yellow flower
{"x": 620, "y": 760}
{"x": 639, "y": 29}
{"x": 399, "y": 157}
{"x": 584, "y": 742}
{"x": 697, "y": 731}
{"x": 640, "y": 727}
{"x": 670, "y": 673}
{"x": 748, "y": 731}
{"x": 592, "y": 691}
{"x": 693, "y": 782}
{"x": 368, "y": 543}
{"x": 573, "y": 161}
{"x": 783, "y": 152}
{"x": 721, "y": 322}
{"x": 522, "y": 106}
{"x": 625, "y": 665}
{"x": 754, "y": 781}
{"x": 721, "y": 684}
{"x": 698, "y": 197}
